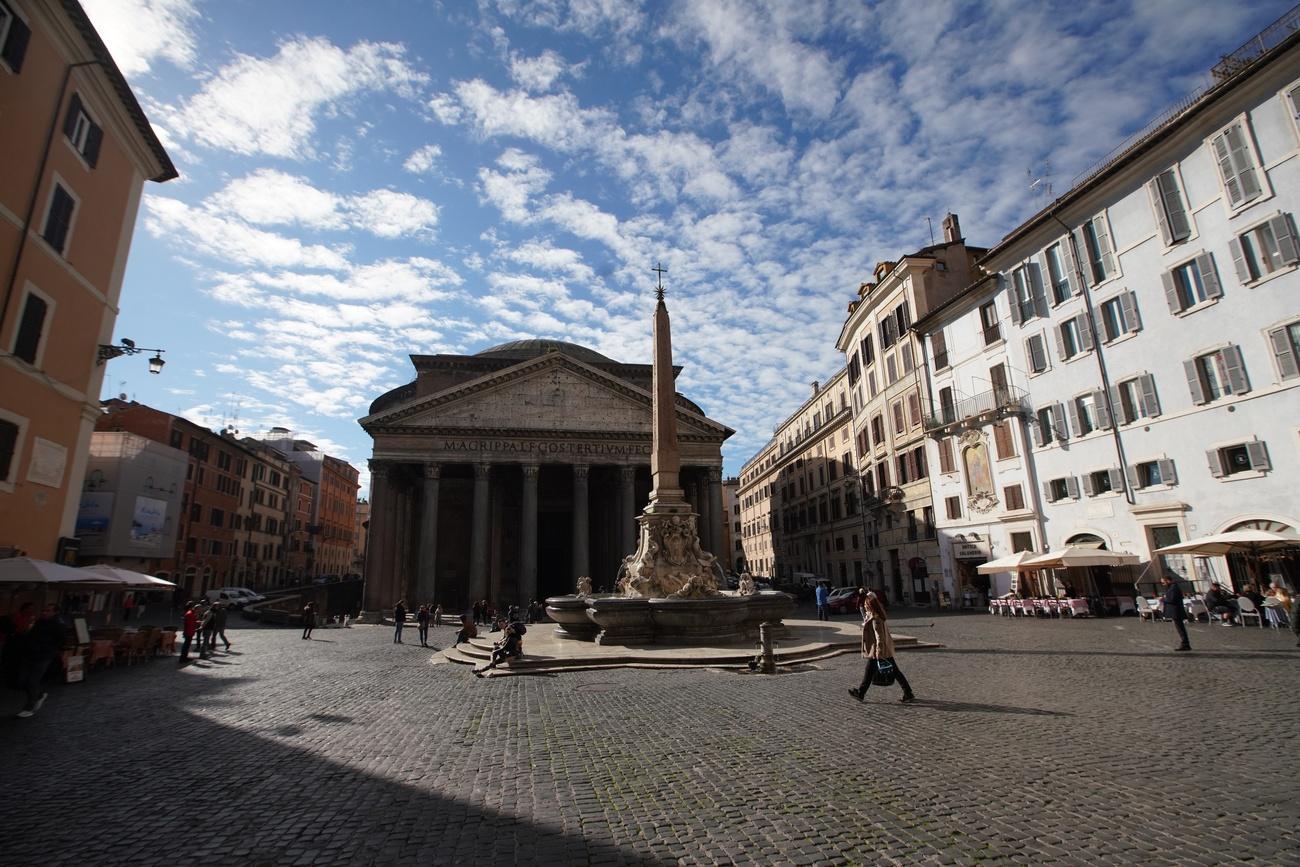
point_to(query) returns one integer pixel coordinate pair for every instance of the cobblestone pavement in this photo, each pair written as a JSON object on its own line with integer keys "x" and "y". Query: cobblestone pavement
{"x": 1033, "y": 742}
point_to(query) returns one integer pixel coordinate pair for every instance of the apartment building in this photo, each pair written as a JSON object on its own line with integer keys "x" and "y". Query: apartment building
{"x": 732, "y": 553}
{"x": 799, "y": 495}
{"x": 889, "y": 394}
{"x": 1153, "y": 311}
{"x": 301, "y": 558}
{"x": 332, "y": 530}
{"x": 267, "y": 518}
{"x": 76, "y": 151}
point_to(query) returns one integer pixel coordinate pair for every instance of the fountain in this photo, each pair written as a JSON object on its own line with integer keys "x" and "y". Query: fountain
{"x": 667, "y": 591}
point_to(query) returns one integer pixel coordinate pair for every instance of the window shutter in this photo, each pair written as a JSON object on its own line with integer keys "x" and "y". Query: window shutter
{"x": 1150, "y": 402}
{"x": 1239, "y": 259}
{"x": 1085, "y": 332}
{"x": 1060, "y": 342}
{"x": 28, "y": 339}
{"x": 1242, "y": 161}
{"x": 1088, "y": 489}
{"x": 1071, "y": 264}
{"x": 1168, "y": 475}
{"x": 1284, "y": 352}
{"x": 1158, "y": 206}
{"x": 1179, "y": 224}
{"x": 1129, "y": 307}
{"x": 1223, "y": 156}
{"x": 1286, "y": 243}
{"x": 1194, "y": 381}
{"x": 1104, "y": 246}
{"x": 15, "y": 47}
{"x": 1047, "y": 493}
{"x": 1085, "y": 262}
{"x": 70, "y": 119}
{"x": 1116, "y": 478}
{"x": 1171, "y": 292}
{"x": 1293, "y": 102}
{"x": 1117, "y": 404}
{"x": 1209, "y": 275}
{"x": 94, "y": 140}
{"x": 1215, "y": 459}
{"x": 1058, "y": 421}
{"x": 1075, "y": 422}
{"x": 1044, "y": 433}
{"x": 1072, "y": 486}
{"x": 1236, "y": 368}
{"x": 1258, "y": 455}
{"x": 1009, "y": 289}
{"x": 59, "y": 220}
{"x": 1038, "y": 289}
{"x": 1099, "y": 405}
{"x": 1134, "y": 478}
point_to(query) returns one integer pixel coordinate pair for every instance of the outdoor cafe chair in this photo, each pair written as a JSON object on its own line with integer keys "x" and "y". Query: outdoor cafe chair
{"x": 1275, "y": 613}
{"x": 1078, "y": 608}
{"x": 1146, "y": 610}
{"x": 1126, "y": 604}
{"x": 1246, "y": 608}
{"x": 1196, "y": 607}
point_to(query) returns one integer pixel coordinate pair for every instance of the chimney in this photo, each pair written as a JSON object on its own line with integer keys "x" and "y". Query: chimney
{"x": 951, "y": 229}
{"x": 817, "y": 386}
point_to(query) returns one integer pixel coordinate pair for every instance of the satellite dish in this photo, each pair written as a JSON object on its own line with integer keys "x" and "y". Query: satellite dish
{"x": 121, "y": 395}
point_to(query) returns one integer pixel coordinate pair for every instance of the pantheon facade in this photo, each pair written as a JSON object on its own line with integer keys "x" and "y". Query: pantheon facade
{"x": 507, "y": 474}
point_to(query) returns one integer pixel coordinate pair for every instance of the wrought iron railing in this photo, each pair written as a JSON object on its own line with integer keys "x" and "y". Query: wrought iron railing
{"x": 995, "y": 403}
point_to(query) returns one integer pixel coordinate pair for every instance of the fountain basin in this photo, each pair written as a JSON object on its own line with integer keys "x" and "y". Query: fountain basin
{"x": 622, "y": 620}
{"x": 570, "y": 615}
{"x": 698, "y": 621}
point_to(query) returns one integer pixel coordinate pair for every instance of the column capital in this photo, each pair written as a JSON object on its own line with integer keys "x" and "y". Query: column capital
{"x": 530, "y": 471}
{"x": 581, "y": 471}
{"x": 433, "y": 471}
{"x": 715, "y": 474}
{"x": 482, "y": 470}
{"x": 626, "y": 473}
{"x": 380, "y": 469}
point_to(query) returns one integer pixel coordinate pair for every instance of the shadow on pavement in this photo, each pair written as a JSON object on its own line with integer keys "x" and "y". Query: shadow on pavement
{"x": 1153, "y": 654}
{"x": 974, "y": 707}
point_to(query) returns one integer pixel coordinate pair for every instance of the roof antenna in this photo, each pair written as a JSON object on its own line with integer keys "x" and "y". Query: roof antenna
{"x": 1041, "y": 184}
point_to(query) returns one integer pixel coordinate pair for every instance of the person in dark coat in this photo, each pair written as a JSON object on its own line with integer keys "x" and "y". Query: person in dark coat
{"x": 1174, "y": 609}
{"x": 399, "y": 620}
{"x": 308, "y": 619}
{"x": 422, "y": 620}
{"x": 42, "y": 647}
{"x": 207, "y": 632}
{"x": 190, "y": 621}
{"x": 511, "y": 646}
{"x": 219, "y": 616}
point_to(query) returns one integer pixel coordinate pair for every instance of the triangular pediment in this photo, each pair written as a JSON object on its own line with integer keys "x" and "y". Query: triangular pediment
{"x": 552, "y": 393}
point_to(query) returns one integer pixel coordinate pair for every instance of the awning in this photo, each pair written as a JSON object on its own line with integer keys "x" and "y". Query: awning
{"x": 1010, "y": 563}
{"x": 128, "y": 577}
{"x": 1066, "y": 558}
{"x": 1252, "y": 542}
{"x": 25, "y": 570}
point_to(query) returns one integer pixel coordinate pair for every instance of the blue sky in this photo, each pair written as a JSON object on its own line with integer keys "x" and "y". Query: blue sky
{"x": 363, "y": 181}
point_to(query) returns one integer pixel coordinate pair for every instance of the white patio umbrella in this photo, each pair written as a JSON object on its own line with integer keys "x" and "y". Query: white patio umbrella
{"x": 25, "y": 570}
{"x": 1010, "y": 563}
{"x": 128, "y": 577}
{"x": 1073, "y": 556}
{"x": 1252, "y": 543}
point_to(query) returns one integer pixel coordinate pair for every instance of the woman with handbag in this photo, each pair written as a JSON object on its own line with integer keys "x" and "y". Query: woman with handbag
{"x": 878, "y": 648}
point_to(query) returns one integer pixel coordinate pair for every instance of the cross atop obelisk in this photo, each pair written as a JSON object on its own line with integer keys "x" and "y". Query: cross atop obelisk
{"x": 665, "y": 455}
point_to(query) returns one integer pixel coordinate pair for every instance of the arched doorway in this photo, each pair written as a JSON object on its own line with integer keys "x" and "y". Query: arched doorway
{"x": 1272, "y": 566}
{"x": 1097, "y": 580}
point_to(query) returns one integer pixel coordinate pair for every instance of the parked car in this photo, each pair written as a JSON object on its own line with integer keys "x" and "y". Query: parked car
{"x": 248, "y": 594}
{"x": 843, "y": 600}
{"x": 227, "y": 596}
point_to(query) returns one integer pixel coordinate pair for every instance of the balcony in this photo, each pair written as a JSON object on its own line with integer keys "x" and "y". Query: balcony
{"x": 987, "y": 406}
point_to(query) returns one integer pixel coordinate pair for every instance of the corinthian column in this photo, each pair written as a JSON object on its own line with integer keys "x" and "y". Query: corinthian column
{"x": 528, "y": 538}
{"x": 379, "y": 556}
{"x": 478, "y": 545}
{"x": 581, "y": 542}
{"x": 716, "y": 515}
{"x": 627, "y": 510}
{"x": 427, "y": 581}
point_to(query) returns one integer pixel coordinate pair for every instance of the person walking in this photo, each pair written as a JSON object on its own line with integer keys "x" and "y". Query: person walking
{"x": 42, "y": 647}
{"x": 422, "y": 620}
{"x": 207, "y": 632}
{"x": 437, "y": 615}
{"x": 190, "y": 625}
{"x": 128, "y": 605}
{"x": 308, "y": 619}
{"x": 1173, "y": 609}
{"x": 220, "y": 615}
{"x": 468, "y": 630}
{"x": 878, "y": 648}
{"x": 822, "y": 594}
{"x": 399, "y": 620}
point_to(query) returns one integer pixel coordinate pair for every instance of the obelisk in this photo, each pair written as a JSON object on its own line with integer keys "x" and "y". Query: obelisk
{"x": 668, "y": 559}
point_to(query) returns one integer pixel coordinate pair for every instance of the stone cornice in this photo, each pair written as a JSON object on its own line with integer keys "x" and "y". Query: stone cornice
{"x": 531, "y": 434}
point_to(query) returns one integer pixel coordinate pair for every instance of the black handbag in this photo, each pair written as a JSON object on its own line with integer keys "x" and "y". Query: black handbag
{"x": 885, "y": 673}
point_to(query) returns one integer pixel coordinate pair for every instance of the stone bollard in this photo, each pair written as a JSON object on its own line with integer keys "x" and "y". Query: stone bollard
{"x": 767, "y": 661}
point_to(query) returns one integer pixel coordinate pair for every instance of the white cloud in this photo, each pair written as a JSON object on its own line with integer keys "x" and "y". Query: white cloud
{"x": 512, "y": 190}
{"x": 422, "y": 159}
{"x": 139, "y": 32}
{"x": 540, "y": 72}
{"x": 391, "y": 214}
{"x": 271, "y": 106}
{"x": 230, "y": 240}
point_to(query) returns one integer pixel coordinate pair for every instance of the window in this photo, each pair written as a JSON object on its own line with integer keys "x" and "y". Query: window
{"x": 897, "y": 409}
{"x": 1167, "y": 202}
{"x": 868, "y": 352}
{"x": 29, "y": 341}
{"x": 939, "y": 349}
{"x": 1242, "y": 458}
{"x": 1191, "y": 283}
{"x": 1015, "y": 498}
{"x": 1051, "y": 424}
{"x": 82, "y": 133}
{"x": 216, "y": 517}
{"x": 908, "y": 359}
{"x": 947, "y": 406}
{"x": 58, "y": 218}
{"x": 1135, "y": 398}
{"x": 9, "y": 433}
{"x": 1026, "y": 298}
{"x": 891, "y": 369}
{"x": 903, "y": 468}
{"x": 14, "y": 35}
{"x": 1216, "y": 374}
{"x": 1265, "y": 249}
{"x": 855, "y": 371}
{"x": 1061, "y": 489}
{"x": 1103, "y": 482}
{"x": 1073, "y": 337}
{"x": 1286, "y": 349}
{"x": 871, "y": 383}
{"x": 1093, "y": 241}
{"x": 918, "y": 462}
{"x": 1088, "y": 413}
{"x": 1003, "y": 439}
{"x": 1119, "y": 316}
{"x": 878, "y": 430}
{"x": 1060, "y": 276}
{"x": 946, "y": 462}
{"x": 1035, "y": 354}
{"x": 887, "y": 329}
{"x": 989, "y": 320}
{"x": 1149, "y": 474}
{"x": 914, "y": 409}
{"x": 1236, "y": 163}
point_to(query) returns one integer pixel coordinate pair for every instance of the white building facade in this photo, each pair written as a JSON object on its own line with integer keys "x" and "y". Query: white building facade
{"x": 1152, "y": 314}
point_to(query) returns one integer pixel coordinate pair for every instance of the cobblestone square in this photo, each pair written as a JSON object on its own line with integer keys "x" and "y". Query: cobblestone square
{"x": 1033, "y": 742}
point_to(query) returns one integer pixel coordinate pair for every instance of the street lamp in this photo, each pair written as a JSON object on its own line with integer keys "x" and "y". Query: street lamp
{"x": 128, "y": 347}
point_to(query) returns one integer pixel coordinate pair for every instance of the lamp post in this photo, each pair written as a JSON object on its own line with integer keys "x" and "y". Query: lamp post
{"x": 128, "y": 347}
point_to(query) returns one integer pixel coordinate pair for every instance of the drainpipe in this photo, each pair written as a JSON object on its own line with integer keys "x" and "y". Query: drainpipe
{"x": 36, "y": 188}
{"x": 1101, "y": 360}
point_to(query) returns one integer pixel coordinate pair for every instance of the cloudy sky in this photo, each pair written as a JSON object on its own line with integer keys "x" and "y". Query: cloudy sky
{"x": 363, "y": 181}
